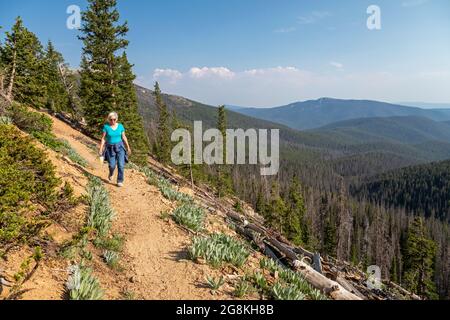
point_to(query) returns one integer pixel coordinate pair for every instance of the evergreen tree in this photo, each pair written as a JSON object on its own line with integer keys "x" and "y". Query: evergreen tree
{"x": 22, "y": 60}
{"x": 163, "y": 142}
{"x": 127, "y": 107}
{"x": 57, "y": 98}
{"x": 224, "y": 183}
{"x": 295, "y": 213}
{"x": 100, "y": 68}
{"x": 420, "y": 252}
{"x": 276, "y": 211}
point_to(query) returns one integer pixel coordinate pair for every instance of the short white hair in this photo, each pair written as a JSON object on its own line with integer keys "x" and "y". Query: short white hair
{"x": 113, "y": 115}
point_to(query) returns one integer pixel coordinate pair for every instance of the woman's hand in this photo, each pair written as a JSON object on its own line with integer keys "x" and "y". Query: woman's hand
{"x": 129, "y": 151}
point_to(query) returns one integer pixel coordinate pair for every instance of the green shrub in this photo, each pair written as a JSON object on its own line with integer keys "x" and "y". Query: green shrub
{"x": 27, "y": 179}
{"x": 112, "y": 244}
{"x": 190, "y": 216}
{"x": 218, "y": 249}
{"x": 82, "y": 285}
{"x": 29, "y": 121}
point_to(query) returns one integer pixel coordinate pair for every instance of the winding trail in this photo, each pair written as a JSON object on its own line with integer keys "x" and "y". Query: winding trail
{"x": 154, "y": 260}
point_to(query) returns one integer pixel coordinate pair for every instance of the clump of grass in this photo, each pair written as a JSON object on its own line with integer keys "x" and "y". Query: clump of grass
{"x": 152, "y": 177}
{"x": 5, "y": 120}
{"x": 111, "y": 259}
{"x": 59, "y": 145}
{"x": 115, "y": 243}
{"x": 218, "y": 249}
{"x": 269, "y": 265}
{"x": 190, "y": 216}
{"x": 289, "y": 292}
{"x": 294, "y": 279}
{"x": 242, "y": 288}
{"x": 260, "y": 281}
{"x": 100, "y": 211}
{"x": 82, "y": 285}
{"x": 171, "y": 194}
{"x": 214, "y": 283}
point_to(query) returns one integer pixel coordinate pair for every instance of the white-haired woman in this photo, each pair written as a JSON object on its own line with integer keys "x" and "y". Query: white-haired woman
{"x": 113, "y": 146}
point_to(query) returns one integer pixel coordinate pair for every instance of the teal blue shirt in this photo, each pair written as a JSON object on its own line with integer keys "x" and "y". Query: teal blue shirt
{"x": 113, "y": 136}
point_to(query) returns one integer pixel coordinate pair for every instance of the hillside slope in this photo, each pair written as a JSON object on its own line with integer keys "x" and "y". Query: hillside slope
{"x": 154, "y": 261}
{"x": 421, "y": 189}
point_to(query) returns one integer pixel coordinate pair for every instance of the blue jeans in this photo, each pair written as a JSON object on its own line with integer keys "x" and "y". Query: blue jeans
{"x": 115, "y": 154}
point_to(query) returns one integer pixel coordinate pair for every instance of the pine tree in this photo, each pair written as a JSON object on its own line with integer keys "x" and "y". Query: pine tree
{"x": 22, "y": 60}
{"x": 163, "y": 142}
{"x": 100, "y": 68}
{"x": 295, "y": 213}
{"x": 57, "y": 98}
{"x": 127, "y": 107}
{"x": 418, "y": 268}
{"x": 276, "y": 211}
{"x": 224, "y": 183}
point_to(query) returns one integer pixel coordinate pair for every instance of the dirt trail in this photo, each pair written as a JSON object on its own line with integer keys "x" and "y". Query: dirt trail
{"x": 155, "y": 259}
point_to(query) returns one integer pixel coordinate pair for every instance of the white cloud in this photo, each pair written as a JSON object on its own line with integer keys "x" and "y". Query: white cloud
{"x": 205, "y": 72}
{"x": 337, "y": 65}
{"x": 167, "y": 74}
{"x": 285, "y": 84}
{"x": 313, "y": 17}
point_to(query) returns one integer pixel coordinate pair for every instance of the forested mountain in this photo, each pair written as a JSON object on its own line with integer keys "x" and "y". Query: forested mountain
{"x": 422, "y": 189}
{"x": 355, "y": 148}
{"x": 408, "y": 130}
{"x": 317, "y": 113}
{"x": 319, "y": 212}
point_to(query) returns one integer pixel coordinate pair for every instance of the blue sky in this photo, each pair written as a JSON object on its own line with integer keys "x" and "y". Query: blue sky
{"x": 267, "y": 52}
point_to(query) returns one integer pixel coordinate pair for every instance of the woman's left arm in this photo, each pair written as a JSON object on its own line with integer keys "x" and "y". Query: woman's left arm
{"x": 125, "y": 140}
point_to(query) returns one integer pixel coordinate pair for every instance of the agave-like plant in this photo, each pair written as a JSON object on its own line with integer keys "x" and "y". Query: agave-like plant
{"x": 190, "y": 216}
{"x": 214, "y": 283}
{"x": 242, "y": 288}
{"x": 290, "y": 292}
{"x": 100, "y": 211}
{"x": 111, "y": 258}
{"x": 82, "y": 285}
{"x": 260, "y": 281}
{"x": 270, "y": 265}
{"x": 218, "y": 249}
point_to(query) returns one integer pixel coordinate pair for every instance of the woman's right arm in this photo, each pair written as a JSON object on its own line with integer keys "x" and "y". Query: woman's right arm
{"x": 102, "y": 144}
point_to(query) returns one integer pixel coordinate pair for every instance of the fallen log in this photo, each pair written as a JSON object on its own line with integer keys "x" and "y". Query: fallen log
{"x": 322, "y": 283}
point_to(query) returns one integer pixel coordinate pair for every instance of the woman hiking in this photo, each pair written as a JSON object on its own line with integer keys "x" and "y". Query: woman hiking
{"x": 112, "y": 147}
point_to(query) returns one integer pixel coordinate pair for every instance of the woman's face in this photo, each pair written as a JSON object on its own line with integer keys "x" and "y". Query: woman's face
{"x": 112, "y": 120}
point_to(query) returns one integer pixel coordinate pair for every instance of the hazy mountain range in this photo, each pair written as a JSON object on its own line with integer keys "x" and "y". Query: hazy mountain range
{"x": 374, "y": 137}
{"x": 317, "y": 113}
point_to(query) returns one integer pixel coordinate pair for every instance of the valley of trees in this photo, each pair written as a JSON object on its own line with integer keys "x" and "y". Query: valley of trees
{"x": 398, "y": 221}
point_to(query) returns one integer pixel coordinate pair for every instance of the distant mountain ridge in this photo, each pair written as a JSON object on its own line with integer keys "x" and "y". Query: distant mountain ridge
{"x": 318, "y": 113}
{"x": 371, "y": 145}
